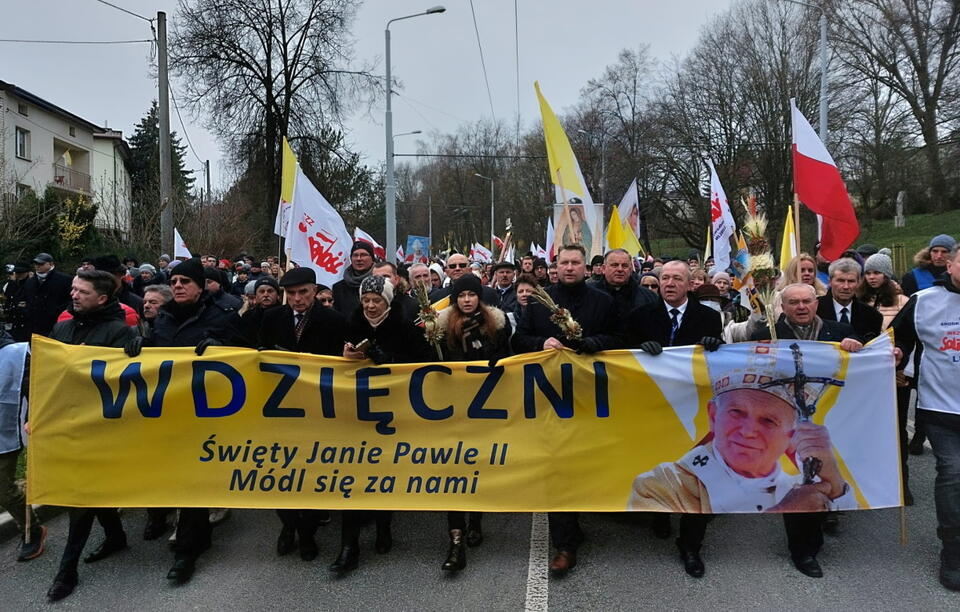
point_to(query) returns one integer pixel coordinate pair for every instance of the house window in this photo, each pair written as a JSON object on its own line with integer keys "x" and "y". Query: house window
{"x": 23, "y": 109}
{"x": 23, "y": 143}
{"x": 22, "y": 191}
{"x": 73, "y": 131}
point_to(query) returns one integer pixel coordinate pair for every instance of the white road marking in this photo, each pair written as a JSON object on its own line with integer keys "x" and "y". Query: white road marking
{"x": 537, "y": 583}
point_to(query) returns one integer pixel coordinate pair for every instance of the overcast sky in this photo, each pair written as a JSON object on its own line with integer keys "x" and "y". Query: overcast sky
{"x": 562, "y": 43}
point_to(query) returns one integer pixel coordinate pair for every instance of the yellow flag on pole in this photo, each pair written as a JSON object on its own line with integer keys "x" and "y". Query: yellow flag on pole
{"x": 288, "y": 181}
{"x": 788, "y": 246}
{"x": 615, "y": 234}
{"x": 630, "y": 242}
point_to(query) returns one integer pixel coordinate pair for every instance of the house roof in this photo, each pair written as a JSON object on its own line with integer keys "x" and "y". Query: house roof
{"x": 39, "y": 102}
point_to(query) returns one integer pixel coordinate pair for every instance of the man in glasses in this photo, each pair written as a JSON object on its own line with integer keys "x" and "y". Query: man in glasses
{"x": 619, "y": 283}
{"x": 194, "y": 317}
{"x": 457, "y": 266}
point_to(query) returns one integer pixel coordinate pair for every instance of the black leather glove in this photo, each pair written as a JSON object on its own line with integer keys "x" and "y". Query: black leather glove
{"x": 710, "y": 343}
{"x": 652, "y": 347}
{"x": 376, "y": 354}
{"x": 133, "y": 346}
{"x": 590, "y": 346}
{"x": 203, "y": 344}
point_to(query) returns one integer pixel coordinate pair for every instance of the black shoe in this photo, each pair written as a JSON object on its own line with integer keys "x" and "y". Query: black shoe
{"x": 308, "y": 548}
{"x": 38, "y": 535}
{"x": 155, "y": 529}
{"x": 456, "y": 554}
{"x": 106, "y": 548}
{"x": 286, "y": 542}
{"x": 808, "y": 565}
{"x": 323, "y": 517}
{"x": 692, "y": 563}
{"x": 181, "y": 571}
{"x": 474, "y": 535}
{"x": 63, "y": 584}
{"x": 916, "y": 444}
{"x": 349, "y": 559}
{"x": 660, "y": 525}
{"x": 831, "y": 524}
{"x": 384, "y": 542}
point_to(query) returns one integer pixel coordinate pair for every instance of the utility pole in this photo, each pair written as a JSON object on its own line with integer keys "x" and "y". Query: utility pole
{"x": 206, "y": 169}
{"x": 430, "y": 219}
{"x": 166, "y": 180}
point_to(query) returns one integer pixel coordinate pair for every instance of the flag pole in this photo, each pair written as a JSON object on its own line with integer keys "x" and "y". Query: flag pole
{"x": 796, "y": 221}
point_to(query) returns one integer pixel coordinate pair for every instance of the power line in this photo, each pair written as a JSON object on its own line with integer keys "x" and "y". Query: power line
{"x": 73, "y": 42}
{"x": 128, "y": 12}
{"x": 483, "y": 63}
{"x": 176, "y": 107}
{"x": 433, "y": 108}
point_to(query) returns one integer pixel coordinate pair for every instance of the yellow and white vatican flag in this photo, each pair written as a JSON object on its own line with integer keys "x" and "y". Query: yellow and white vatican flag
{"x": 788, "y": 245}
{"x": 288, "y": 176}
{"x": 577, "y": 221}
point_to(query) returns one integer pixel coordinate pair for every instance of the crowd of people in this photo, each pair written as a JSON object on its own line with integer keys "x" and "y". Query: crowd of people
{"x": 373, "y": 313}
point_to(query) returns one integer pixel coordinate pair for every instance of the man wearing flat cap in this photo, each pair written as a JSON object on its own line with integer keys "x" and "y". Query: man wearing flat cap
{"x": 346, "y": 292}
{"x": 503, "y": 273}
{"x": 47, "y": 294}
{"x": 302, "y": 325}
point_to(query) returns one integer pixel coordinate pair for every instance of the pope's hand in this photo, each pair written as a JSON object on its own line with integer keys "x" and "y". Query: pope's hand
{"x": 805, "y": 498}
{"x": 812, "y": 440}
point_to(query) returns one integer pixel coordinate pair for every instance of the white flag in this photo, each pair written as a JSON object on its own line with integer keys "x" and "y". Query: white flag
{"x": 400, "y": 256}
{"x": 317, "y": 237}
{"x": 179, "y": 246}
{"x": 629, "y": 208}
{"x": 721, "y": 219}
{"x": 361, "y": 236}
{"x": 281, "y": 224}
{"x": 481, "y": 253}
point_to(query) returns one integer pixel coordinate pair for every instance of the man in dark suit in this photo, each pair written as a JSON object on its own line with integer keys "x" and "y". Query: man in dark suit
{"x": 840, "y": 303}
{"x": 303, "y": 326}
{"x": 47, "y": 294}
{"x": 800, "y": 321}
{"x": 676, "y": 319}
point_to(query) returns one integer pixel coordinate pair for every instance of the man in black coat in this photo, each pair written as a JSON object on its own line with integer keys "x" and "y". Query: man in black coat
{"x": 346, "y": 292}
{"x": 676, "y": 319}
{"x": 266, "y": 296}
{"x": 303, "y": 326}
{"x": 619, "y": 282}
{"x": 596, "y": 314}
{"x": 799, "y": 321}
{"x": 192, "y": 318}
{"x": 841, "y": 304}
{"x": 47, "y": 294}
{"x": 503, "y": 284}
{"x": 97, "y": 320}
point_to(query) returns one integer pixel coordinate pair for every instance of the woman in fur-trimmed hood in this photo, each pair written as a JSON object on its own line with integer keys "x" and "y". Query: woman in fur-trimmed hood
{"x": 474, "y": 331}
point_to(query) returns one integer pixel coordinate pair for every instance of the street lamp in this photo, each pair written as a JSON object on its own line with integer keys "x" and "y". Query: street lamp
{"x": 487, "y": 178}
{"x": 823, "y": 65}
{"x": 406, "y": 133}
{"x": 391, "y": 195}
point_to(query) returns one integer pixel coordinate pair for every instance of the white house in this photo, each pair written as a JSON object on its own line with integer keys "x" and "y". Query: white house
{"x": 45, "y": 145}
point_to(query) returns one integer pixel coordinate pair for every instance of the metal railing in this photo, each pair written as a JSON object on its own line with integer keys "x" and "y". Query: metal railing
{"x": 71, "y": 179}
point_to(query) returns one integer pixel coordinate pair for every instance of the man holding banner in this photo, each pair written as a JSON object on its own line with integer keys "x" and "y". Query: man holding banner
{"x": 595, "y": 313}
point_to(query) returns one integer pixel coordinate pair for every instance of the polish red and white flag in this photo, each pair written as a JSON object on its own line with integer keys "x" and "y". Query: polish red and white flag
{"x": 361, "y": 236}
{"x": 818, "y": 184}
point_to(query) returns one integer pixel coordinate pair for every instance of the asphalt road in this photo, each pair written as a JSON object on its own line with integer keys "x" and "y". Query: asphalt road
{"x": 621, "y": 567}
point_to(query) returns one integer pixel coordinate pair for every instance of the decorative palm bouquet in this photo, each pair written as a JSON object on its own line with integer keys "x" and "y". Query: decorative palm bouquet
{"x": 432, "y": 330}
{"x": 560, "y": 316}
{"x": 762, "y": 270}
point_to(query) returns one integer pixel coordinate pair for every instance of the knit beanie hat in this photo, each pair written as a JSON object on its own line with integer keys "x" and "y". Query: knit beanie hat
{"x": 147, "y": 268}
{"x": 467, "y": 282}
{"x": 250, "y": 288}
{"x": 192, "y": 269}
{"x": 266, "y": 280}
{"x": 379, "y": 285}
{"x": 165, "y": 258}
{"x": 944, "y": 241}
{"x": 721, "y": 276}
{"x": 359, "y": 245}
{"x": 878, "y": 262}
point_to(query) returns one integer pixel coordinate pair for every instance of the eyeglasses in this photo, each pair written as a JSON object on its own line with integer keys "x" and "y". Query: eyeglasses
{"x": 180, "y": 280}
{"x": 651, "y": 285}
{"x": 457, "y": 265}
{"x": 326, "y": 300}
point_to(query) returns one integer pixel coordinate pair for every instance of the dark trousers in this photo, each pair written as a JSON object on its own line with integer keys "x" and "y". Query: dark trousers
{"x": 11, "y": 497}
{"x": 903, "y": 407}
{"x": 193, "y": 533}
{"x": 946, "y": 489}
{"x": 353, "y": 520}
{"x": 304, "y": 522}
{"x": 158, "y": 515}
{"x": 804, "y": 532}
{"x": 458, "y": 520}
{"x": 81, "y": 523}
{"x": 565, "y": 530}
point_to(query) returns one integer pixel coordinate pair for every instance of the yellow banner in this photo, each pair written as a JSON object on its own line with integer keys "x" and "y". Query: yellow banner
{"x": 545, "y": 431}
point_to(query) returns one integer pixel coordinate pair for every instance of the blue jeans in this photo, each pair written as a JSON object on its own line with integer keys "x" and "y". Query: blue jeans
{"x": 946, "y": 448}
